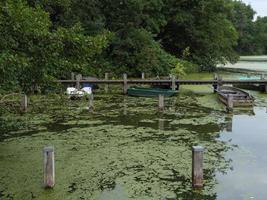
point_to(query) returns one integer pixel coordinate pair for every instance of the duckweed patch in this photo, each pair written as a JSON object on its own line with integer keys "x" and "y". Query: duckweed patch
{"x": 124, "y": 149}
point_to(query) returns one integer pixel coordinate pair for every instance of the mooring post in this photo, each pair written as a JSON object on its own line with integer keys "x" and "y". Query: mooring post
{"x": 161, "y": 102}
{"x": 125, "y": 85}
{"x": 230, "y": 103}
{"x": 24, "y": 102}
{"x": 197, "y": 167}
{"x": 173, "y": 83}
{"x": 143, "y": 75}
{"x": 49, "y": 167}
{"x": 106, "y": 86}
{"x": 215, "y": 84}
{"x": 78, "y": 79}
{"x": 91, "y": 102}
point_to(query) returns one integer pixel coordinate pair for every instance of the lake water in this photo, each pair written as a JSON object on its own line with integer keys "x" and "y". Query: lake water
{"x": 253, "y": 63}
{"x": 125, "y": 149}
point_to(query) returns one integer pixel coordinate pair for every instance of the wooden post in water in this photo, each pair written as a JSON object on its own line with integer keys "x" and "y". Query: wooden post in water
{"x": 78, "y": 79}
{"x": 24, "y": 102}
{"x": 143, "y": 75}
{"x": 161, "y": 102}
{"x": 91, "y": 102}
{"x": 173, "y": 83}
{"x": 106, "y": 86}
{"x": 215, "y": 85}
{"x": 230, "y": 103}
{"x": 197, "y": 166}
{"x": 49, "y": 167}
{"x": 125, "y": 85}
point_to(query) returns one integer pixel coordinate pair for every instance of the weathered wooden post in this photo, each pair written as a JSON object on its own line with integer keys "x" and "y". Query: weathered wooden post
{"x": 161, "y": 102}
{"x": 24, "y": 102}
{"x": 173, "y": 82}
{"x": 215, "y": 85}
{"x": 143, "y": 75}
{"x": 106, "y": 86}
{"x": 125, "y": 85}
{"x": 49, "y": 167}
{"x": 230, "y": 103}
{"x": 91, "y": 102}
{"x": 78, "y": 79}
{"x": 197, "y": 167}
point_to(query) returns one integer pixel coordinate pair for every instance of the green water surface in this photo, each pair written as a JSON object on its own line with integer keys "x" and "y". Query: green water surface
{"x": 125, "y": 149}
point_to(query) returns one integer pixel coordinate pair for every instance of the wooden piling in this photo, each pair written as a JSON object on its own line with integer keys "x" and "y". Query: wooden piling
{"x": 78, "y": 79}
{"x": 197, "y": 167}
{"x": 230, "y": 103}
{"x": 173, "y": 82}
{"x": 143, "y": 75}
{"x": 49, "y": 167}
{"x": 24, "y": 102}
{"x": 161, "y": 102}
{"x": 125, "y": 85}
{"x": 106, "y": 86}
{"x": 91, "y": 102}
{"x": 215, "y": 85}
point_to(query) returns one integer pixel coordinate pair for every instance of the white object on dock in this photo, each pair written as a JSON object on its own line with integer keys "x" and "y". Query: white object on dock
{"x": 87, "y": 90}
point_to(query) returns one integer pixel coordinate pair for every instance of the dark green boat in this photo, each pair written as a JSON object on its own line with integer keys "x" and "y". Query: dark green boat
{"x": 150, "y": 92}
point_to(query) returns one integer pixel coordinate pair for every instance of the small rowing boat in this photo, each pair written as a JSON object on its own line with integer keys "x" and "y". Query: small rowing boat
{"x": 150, "y": 92}
{"x": 239, "y": 97}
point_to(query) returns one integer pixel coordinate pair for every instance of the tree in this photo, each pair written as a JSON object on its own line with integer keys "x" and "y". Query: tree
{"x": 203, "y": 28}
{"x": 31, "y": 55}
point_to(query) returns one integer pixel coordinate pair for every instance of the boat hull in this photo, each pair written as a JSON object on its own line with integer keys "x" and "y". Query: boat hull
{"x": 240, "y": 98}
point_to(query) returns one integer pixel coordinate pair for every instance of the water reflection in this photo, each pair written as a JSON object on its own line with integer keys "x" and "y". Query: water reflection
{"x": 247, "y": 180}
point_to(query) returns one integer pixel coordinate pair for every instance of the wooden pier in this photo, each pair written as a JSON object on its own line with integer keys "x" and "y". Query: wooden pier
{"x": 167, "y": 82}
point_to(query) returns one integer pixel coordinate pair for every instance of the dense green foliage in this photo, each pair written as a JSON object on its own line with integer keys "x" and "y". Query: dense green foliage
{"x": 252, "y": 33}
{"x": 45, "y": 40}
